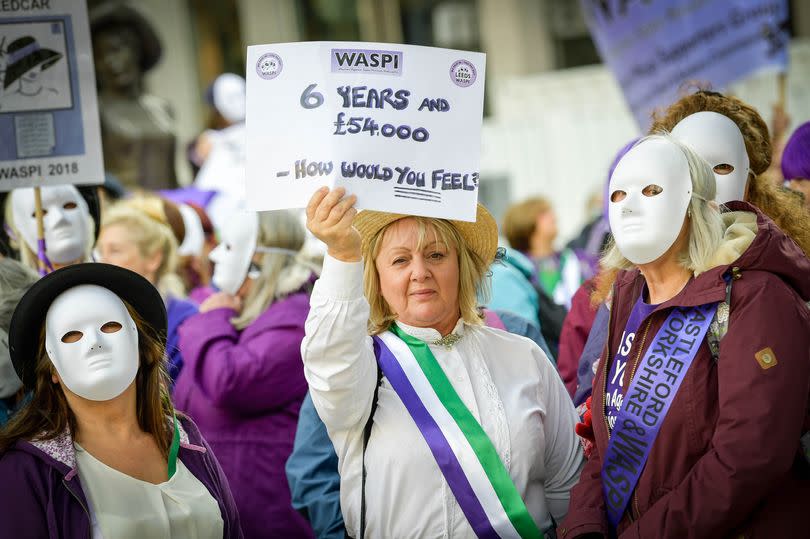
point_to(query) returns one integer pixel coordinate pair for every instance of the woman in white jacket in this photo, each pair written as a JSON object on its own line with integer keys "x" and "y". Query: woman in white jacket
{"x": 443, "y": 427}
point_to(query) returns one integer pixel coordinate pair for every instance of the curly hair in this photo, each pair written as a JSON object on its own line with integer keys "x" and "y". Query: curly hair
{"x": 785, "y": 210}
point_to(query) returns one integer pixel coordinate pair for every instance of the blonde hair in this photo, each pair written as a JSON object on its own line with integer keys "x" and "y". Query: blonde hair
{"x": 705, "y": 227}
{"x": 520, "y": 221}
{"x": 27, "y": 256}
{"x": 282, "y": 273}
{"x": 146, "y": 226}
{"x": 471, "y": 274}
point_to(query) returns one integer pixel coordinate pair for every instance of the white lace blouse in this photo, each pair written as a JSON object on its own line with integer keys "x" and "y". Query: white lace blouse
{"x": 505, "y": 380}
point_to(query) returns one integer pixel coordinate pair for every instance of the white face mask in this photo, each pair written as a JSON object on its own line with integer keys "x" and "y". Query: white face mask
{"x": 194, "y": 239}
{"x": 649, "y": 193}
{"x": 92, "y": 341}
{"x": 233, "y": 255}
{"x": 10, "y": 383}
{"x": 66, "y": 220}
{"x": 718, "y": 140}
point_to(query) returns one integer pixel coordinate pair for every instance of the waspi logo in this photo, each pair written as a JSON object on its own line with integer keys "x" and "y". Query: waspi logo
{"x": 367, "y": 61}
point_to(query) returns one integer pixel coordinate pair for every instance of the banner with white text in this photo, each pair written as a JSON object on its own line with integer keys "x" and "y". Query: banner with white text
{"x": 655, "y": 47}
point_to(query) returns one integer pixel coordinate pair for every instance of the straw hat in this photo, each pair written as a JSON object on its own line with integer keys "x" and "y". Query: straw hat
{"x": 481, "y": 237}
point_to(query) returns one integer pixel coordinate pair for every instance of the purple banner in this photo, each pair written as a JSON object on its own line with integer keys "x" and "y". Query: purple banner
{"x": 654, "y": 47}
{"x": 442, "y": 452}
{"x": 647, "y": 401}
{"x": 367, "y": 61}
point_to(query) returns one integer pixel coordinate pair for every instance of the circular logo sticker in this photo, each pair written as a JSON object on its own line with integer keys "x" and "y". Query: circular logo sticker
{"x": 269, "y": 66}
{"x": 462, "y": 73}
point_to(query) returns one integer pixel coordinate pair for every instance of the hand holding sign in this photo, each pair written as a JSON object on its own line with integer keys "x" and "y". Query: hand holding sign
{"x": 329, "y": 218}
{"x": 400, "y": 129}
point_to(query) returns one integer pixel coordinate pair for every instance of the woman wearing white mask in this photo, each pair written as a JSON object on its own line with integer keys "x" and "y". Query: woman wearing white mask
{"x": 709, "y": 341}
{"x": 243, "y": 381}
{"x": 739, "y": 158}
{"x": 70, "y": 217}
{"x": 99, "y": 452}
{"x": 15, "y": 280}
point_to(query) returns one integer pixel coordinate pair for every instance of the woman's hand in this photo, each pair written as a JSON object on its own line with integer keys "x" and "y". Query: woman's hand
{"x": 221, "y": 300}
{"x": 329, "y": 218}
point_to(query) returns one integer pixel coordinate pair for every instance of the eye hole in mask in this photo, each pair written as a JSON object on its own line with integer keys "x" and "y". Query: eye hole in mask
{"x": 70, "y": 205}
{"x": 617, "y": 196}
{"x": 72, "y": 336}
{"x": 111, "y": 327}
{"x": 652, "y": 190}
{"x": 254, "y": 271}
{"x": 723, "y": 169}
{"x": 34, "y": 213}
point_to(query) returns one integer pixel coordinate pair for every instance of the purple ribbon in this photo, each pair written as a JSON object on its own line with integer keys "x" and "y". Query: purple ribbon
{"x": 647, "y": 401}
{"x": 438, "y": 444}
{"x": 46, "y": 267}
{"x": 19, "y": 54}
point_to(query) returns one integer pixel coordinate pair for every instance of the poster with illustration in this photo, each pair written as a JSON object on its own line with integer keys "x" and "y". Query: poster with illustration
{"x": 49, "y": 129}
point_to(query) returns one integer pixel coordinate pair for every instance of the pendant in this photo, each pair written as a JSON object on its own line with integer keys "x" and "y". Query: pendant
{"x": 448, "y": 340}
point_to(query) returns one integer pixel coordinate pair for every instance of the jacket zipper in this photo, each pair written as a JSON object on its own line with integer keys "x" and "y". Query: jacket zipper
{"x": 634, "y": 511}
{"x": 86, "y": 511}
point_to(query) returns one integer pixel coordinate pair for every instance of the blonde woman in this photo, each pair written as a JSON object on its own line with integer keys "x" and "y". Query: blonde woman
{"x": 136, "y": 235}
{"x": 243, "y": 381}
{"x": 443, "y": 427}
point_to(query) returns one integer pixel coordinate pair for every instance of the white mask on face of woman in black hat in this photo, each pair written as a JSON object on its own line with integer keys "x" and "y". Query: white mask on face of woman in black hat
{"x": 718, "y": 140}
{"x": 649, "y": 192}
{"x": 10, "y": 383}
{"x": 66, "y": 219}
{"x": 92, "y": 342}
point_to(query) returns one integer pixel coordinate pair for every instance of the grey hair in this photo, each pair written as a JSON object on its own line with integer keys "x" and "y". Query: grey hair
{"x": 282, "y": 273}
{"x": 705, "y": 225}
{"x": 15, "y": 280}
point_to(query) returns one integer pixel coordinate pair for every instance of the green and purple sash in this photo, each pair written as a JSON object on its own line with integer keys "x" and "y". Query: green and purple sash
{"x": 466, "y": 456}
{"x": 647, "y": 401}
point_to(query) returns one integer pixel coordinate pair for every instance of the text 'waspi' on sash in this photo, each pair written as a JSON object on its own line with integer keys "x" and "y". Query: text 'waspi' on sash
{"x": 649, "y": 397}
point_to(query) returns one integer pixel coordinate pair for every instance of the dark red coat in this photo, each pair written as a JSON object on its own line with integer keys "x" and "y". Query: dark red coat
{"x": 726, "y": 461}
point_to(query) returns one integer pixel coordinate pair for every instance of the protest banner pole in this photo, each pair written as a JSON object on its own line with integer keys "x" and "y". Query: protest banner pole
{"x": 781, "y": 82}
{"x": 40, "y": 226}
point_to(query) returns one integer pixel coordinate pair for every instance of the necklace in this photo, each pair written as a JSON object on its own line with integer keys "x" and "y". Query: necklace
{"x": 448, "y": 340}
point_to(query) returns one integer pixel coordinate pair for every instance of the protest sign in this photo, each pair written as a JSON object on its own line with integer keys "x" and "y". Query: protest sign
{"x": 397, "y": 125}
{"x": 654, "y": 48}
{"x": 49, "y": 128}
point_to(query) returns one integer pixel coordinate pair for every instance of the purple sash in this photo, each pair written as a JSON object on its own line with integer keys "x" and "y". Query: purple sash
{"x": 646, "y": 403}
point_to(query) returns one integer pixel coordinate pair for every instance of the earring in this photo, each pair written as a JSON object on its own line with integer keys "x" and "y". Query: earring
{"x": 689, "y": 212}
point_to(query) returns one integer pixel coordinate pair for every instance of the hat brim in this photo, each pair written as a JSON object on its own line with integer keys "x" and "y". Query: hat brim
{"x": 481, "y": 236}
{"x": 44, "y": 57}
{"x": 30, "y": 313}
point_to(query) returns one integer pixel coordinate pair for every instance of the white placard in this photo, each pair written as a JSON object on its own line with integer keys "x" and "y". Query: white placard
{"x": 397, "y": 125}
{"x": 49, "y": 128}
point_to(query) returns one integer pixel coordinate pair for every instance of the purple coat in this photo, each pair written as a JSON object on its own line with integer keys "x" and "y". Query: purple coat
{"x": 244, "y": 390}
{"x": 42, "y": 495}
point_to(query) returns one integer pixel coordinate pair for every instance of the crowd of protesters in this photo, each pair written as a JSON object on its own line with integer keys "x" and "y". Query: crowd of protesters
{"x": 339, "y": 373}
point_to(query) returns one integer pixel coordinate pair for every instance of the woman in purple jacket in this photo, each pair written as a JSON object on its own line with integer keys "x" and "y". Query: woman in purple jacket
{"x": 243, "y": 380}
{"x": 98, "y": 451}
